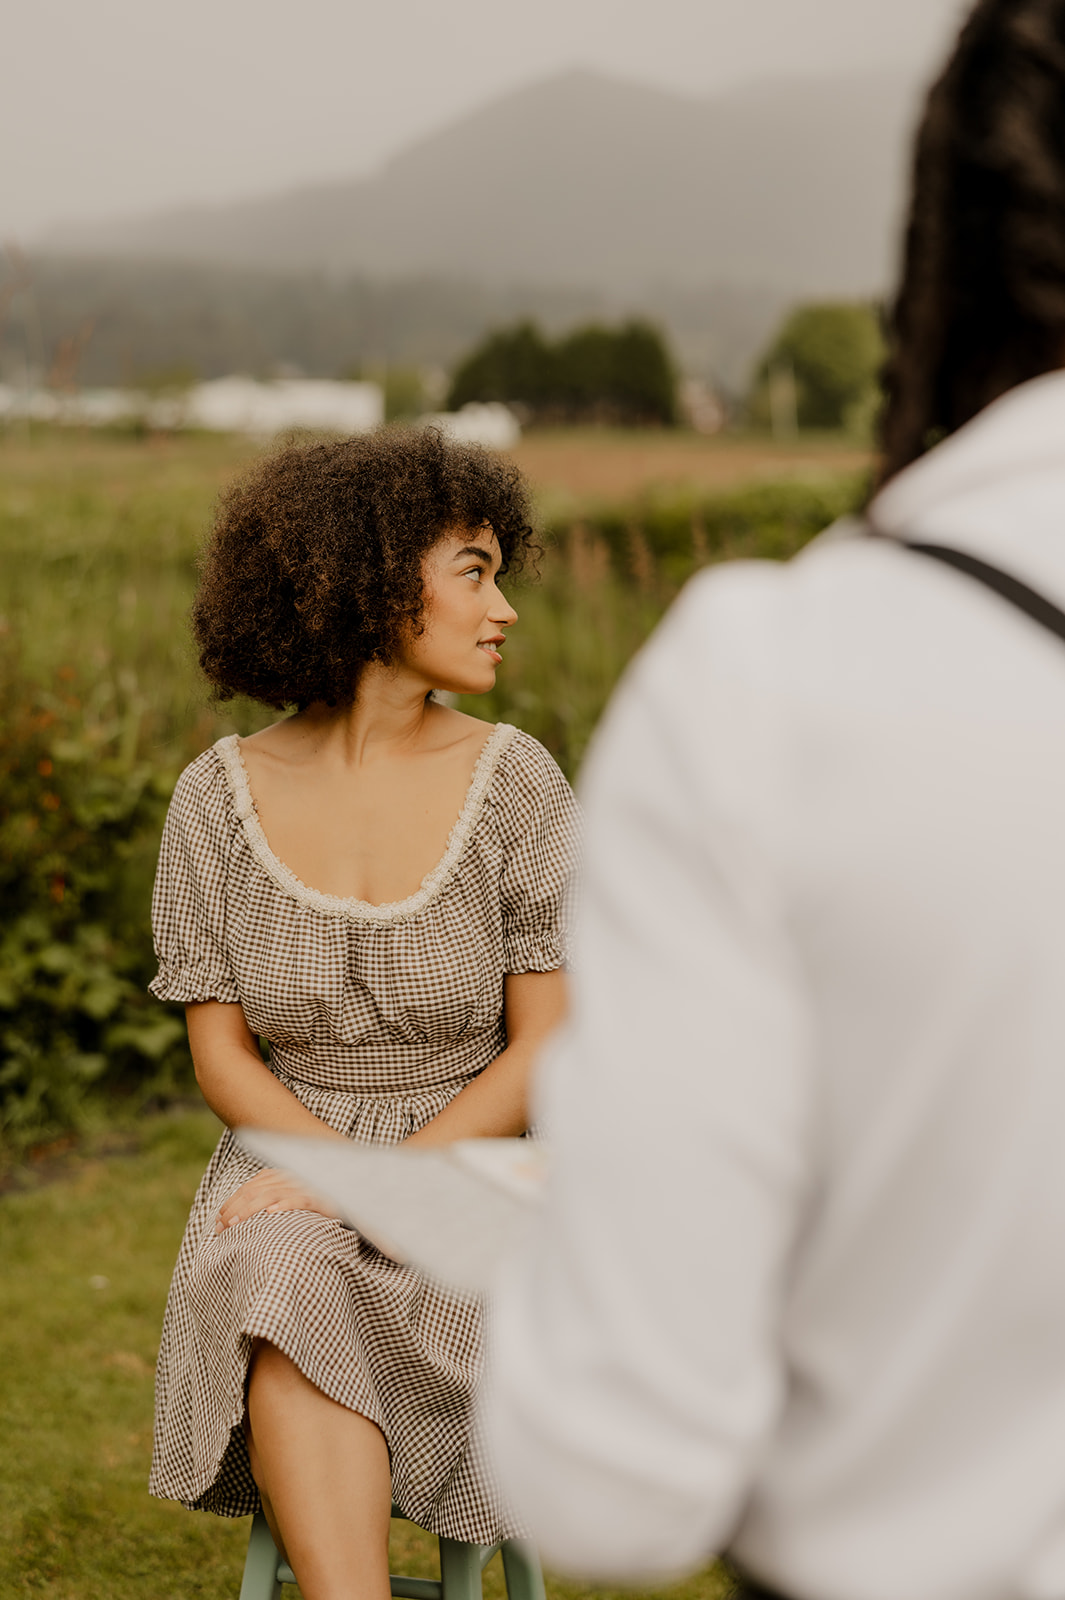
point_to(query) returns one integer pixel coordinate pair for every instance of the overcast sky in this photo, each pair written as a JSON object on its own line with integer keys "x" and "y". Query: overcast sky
{"x": 111, "y": 107}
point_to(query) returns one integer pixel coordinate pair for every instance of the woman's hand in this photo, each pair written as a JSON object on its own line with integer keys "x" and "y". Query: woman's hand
{"x": 269, "y": 1191}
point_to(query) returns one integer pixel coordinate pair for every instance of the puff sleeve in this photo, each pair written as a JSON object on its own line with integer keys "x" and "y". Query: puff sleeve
{"x": 189, "y": 900}
{"x": 539, "y": 822}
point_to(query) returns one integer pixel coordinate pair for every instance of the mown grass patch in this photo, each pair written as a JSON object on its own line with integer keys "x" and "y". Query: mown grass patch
{"x": 87, "y": 1262}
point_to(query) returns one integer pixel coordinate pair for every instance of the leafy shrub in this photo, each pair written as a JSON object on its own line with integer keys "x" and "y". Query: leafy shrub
{"x": 769, "y": 521}
{"x": 80, "y": 817}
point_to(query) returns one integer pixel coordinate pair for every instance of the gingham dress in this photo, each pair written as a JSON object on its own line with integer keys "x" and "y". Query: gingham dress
{"x": 376, "y": 1017}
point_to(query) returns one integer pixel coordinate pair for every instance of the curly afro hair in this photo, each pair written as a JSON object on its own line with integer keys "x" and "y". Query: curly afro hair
{"x": 314, "y": 567}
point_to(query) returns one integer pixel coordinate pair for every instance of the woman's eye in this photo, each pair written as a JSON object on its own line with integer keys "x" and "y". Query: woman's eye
{"x": 476, "y": 573}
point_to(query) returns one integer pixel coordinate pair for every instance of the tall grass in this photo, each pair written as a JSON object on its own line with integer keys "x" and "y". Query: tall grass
{"x": 103, "y": 705}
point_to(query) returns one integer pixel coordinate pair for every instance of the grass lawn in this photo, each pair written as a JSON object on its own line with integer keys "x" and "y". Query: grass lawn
{"x": 87, "y": 1260}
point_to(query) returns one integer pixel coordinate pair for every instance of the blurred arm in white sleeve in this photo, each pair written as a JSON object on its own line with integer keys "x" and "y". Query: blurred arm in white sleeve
{"x": 635, "y": 1367}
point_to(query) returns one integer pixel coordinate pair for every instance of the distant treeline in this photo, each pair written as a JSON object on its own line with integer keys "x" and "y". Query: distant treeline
{"x": 102, "y": 322}
{"x": 622, "y": 376}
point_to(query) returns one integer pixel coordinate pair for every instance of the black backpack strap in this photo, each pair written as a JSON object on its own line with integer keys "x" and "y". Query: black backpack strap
{"x": 1030, "y": 601}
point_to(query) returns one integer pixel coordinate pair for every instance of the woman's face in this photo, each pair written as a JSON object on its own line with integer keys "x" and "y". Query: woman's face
{"x": 464, "y": 616}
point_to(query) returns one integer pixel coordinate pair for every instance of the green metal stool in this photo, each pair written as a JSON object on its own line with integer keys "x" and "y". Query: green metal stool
{"x": 461, "y": 1566}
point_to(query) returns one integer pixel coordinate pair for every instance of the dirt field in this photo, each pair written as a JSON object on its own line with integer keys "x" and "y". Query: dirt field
{"x": 588, "y": 464}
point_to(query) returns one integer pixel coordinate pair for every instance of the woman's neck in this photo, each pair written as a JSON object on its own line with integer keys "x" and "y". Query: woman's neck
{"x": 391, "y": 712}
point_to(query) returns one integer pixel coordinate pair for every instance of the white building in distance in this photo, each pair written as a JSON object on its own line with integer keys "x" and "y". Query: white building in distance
{"x": 488, "y": 423}
{"x": 223, "y": 405}
{"x": 242, "y": 405}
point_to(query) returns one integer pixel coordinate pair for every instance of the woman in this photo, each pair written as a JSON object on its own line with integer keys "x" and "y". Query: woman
{"x": 374, "y": 886}
{"x": 825, "y": 897}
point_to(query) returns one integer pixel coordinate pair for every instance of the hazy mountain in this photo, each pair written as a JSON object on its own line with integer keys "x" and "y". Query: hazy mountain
{"x": 582, "y": 180}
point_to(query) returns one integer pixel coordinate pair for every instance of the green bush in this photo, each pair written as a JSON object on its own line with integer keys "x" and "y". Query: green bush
{"x": 834, "y": 352}
{"x": 80, "y": 816}
{"x": 622, "y": 376}
{"x": 769, "y": 521}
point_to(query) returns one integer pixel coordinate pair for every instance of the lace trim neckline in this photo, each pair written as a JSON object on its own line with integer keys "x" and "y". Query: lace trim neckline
{"x": 332, "y": 905}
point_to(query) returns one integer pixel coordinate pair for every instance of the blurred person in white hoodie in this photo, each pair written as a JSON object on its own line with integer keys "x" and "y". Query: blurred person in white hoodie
{"x": 798, "y": 1291}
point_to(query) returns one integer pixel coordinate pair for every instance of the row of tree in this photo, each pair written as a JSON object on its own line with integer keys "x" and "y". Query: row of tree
{"x": 73, "y": 323}
{"x": 623, "y": 376}
{"x": 820, "y": 370}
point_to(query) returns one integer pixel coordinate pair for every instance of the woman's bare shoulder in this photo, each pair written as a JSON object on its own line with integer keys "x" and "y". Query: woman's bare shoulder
{"x": 457, "y": 728}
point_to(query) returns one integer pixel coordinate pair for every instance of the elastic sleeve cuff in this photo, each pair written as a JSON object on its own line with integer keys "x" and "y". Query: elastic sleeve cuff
{"x": 535, "y": 954}
{"x": 192, "y": 984}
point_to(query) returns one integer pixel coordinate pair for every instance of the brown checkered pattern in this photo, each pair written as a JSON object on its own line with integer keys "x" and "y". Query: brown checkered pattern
{"x": 376, "y": 1017}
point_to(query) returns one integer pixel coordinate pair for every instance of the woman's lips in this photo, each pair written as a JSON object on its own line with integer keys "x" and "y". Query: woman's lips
{"x": 490, "y": 648}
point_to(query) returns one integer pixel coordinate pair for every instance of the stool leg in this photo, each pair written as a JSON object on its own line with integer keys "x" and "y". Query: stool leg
{"x": 460, "y": 1570}
{"x": 521, "y": 1569}
{"x": 260, "y": 1564}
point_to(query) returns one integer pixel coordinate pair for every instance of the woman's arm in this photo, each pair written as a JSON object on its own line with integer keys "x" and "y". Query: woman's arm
{"x": 240, "y": 1089}
{"x": 235, "y": 1080}
{"x": 495, "y": 1104}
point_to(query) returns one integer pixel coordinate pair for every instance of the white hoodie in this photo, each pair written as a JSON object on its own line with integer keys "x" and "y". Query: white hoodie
{"x": 799, "y": 1291}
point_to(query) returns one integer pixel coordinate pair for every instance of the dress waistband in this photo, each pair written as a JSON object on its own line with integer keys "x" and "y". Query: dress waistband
{"x": 369, "y": 1096}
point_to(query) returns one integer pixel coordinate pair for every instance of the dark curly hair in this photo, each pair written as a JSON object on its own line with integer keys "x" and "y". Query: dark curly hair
{"x": 314, "y": 567}
{"x": 981, "y": 306}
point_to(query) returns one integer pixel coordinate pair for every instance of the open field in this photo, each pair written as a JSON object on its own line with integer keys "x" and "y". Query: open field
{"x": 99, "y": 534}
{"x": 568, "y": 468}
{"x": 87, "y": 1260}
{"x": 573, "y": 466}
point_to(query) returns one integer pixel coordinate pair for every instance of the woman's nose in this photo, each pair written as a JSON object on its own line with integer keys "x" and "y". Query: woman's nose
{"x": 502, "y": 611}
